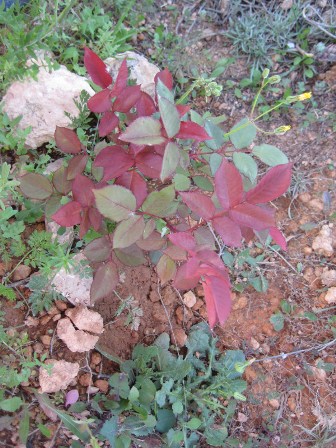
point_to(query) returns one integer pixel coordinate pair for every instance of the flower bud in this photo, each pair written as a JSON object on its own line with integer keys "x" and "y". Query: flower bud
{"x": 281, "y": 130}
{"x": 274, "y": 79}
{"x": 265, "y": 73}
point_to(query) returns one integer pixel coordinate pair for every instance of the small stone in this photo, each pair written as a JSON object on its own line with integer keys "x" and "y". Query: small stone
{"x": 53, "y": 311}
{"x": 274, "y": 403}
{"x": 60, "y": 305}
{"x": 328, "y": 277}
{"x": 32, "y": 321}
{"x": 92, "y": 390}
{"x": 96, "y": 358}
{"x": 291, "y": 403}
{"x": 199, "y": 303}
{"x": 38, "y": 348}
{"x": 286, "y": 4}
{"x": 45, "y": 319}
{"x": 265, "y": 348}
{"x": 304, "y": 197}
{"x": 21, "y": 272}
{"x": 254, "y": 344}
{"x": 45, "y": 339}
{"x": 85, "y": 380}
{"x": 56, "y": 317}
{"x": 323, "y": 243}
{"x": 240, "y": 303}
{"x": 331, "y": 295}
{"x": 60, "y": 376}
{"x": 307, "y": 250}
{"x": 242, "y": 418}
{"x": 250, "y": 374}
{"x": 180, "y": 337}
{"x": 102, "y": 385}
{"x": 189, "y": 299}
{"x": 316, "y": 204}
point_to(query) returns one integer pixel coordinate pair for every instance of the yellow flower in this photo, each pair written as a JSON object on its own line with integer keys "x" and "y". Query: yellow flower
{"x": 282, "y": 130}
{"x": 304, "y": 96}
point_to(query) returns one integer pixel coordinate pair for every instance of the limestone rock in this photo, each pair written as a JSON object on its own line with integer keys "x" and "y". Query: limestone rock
{"x": 141, "y": 70}
{"x": 61, "y": 375}
{"x": 331, "y": 295}
{"x": 21, "y": 272}
{"x": 189, "y": 299}
{"x": 323, "y": 243}
{"x": 75, "y": 340}
{"x": 328, "y": 277}
{"x": 42, "y": 102}
{"x": 86, "y": 319}
{"x": 73, "y": 284}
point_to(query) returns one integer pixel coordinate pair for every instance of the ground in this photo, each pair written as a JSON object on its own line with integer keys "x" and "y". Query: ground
{"x": 291, "y": 399}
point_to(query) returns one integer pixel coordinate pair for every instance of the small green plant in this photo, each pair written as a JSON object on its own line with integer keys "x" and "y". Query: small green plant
{"x": 11, "y": 137}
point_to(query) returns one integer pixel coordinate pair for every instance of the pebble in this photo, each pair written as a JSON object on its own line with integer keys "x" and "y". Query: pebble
{"x": 254, "y": 344}
{"x": 45, "y": 339}
{"x": 96, "y": 358}
{"x": 85, "y": 380}
{"x": 291, "y": 403}
{"x": 45, "y": 319}
{"x": 92, "y": 390}
{"x": 38, "y": 348}
{"x": 316, "y": 204}
{"x": 199, "y": 303}
{"x": 328, "y": 277}
{"x": 242, "y": 418}
{"x": 180, "y": 337}
{"x": 21, "y": 272}
{"x": 274, "y": 403}
{"x": 53, "y": 311}
{"x": 189, "y": 299}
{"x": 307, "y": 250}
{"x": 102, "y": 385}
{"x": 56, "y": 317}
{"x": 60, "y": 305}
{"x": 331, "y": 295}
{"x": 240, "y": 303}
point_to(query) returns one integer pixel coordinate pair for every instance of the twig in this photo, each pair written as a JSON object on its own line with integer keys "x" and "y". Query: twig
{"x": 55, "y": 435}
{"x": 284, "y": 259}
{"x": 317, "y": 24}
{"x": 297, "y": 352}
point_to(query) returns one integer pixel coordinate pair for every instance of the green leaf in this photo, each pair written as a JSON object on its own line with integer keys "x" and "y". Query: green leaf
{"x": 158, "y": 202}
{"x": 278, "y": 321}
{"x": 170, "y": 161}
{"x": 163, "y": 91}
{"x": 194, "y": 423}
{"x": 203, "y": 183}
{"x": 269, "y": 154}
{"x": 216, "y": 437}
{"x": 215, "y": 160}
{"x": 11, "y": 404}
{"x": 44, "y": 430}
{"x": 143, "y": 131}
{"x": 170, "y": 117}
{"x": 133, "y": 394}
{"x": 246, "y": 165}
{"x": 119, "y": 385}
{"x": 36, "y": 186}
{"x": 177, "y": 407}
{"x": 24, "y": 426}
{"x": 115, "y": 202}
{"x": 128, "y": 231}
{"x": 110, "y": 430}
{"x": 216, "y": 132}
{"x": 244, "y": 136}
{"x": 165, "y": 420}
{"x": 131, "y": 256}
{"x": 181, "y": 182}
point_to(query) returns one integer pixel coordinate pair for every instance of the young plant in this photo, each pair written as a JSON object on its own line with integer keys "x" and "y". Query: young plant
{"x": 164, "y": 185}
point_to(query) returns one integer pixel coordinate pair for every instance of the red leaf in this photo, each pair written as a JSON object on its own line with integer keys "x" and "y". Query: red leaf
{"x": 127, "y": 99}
{"x": 165, "y": 77}
{"x": 187, "y": 275}
{"x": 109, "y": 121}
{"x": 134, "y": 182}
{"x": 104, "y": 282}
{"x": 149, "y": 163}
{"x": 184, "y": 240}
{"x": 200, "y": 204}
{"x": 98, "y": 250}
{"x": 272, "y": 185}
{"x": 217, "y": 299}
{"x": 85, "y": 223}
{"x": 228, "y": 185}
{"x": 82, "y": 188}
{"x": 67, "y": 140}
{"x": 278, "y": 237}
{"x": 95, "y": 218}
{"x": 77, "y": 165}
{"x": 60, "y": 181}
{"x": 100, "y": 102}
{"x": 145, "y": 105}
{"x": 228, "y": 230}
{"x": 68, "y": 215}
{"x": 182, "y": 109}
{"x": 96, "y": 69}
{"x": 247, "y": 233}
{"x": 114, "y": 160}
{"x": 250, "y": 215}
{"x": 121, "y": 80}
{"x": 153, "y": 242}
{"x": 191, "y": 130}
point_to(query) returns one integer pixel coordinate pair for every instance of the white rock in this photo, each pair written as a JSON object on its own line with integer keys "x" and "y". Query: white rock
{"x": 189, "y": 299}
{"x": 75, "y": 340}
{"x": 323, "y": 243}
{"x": 141, "y": 70}
{"x": 60, "y": 376}
{"x": 72, "y": 285}
{"x": 42, "y": 102}
{"x": 331, "y": 295}
{"x": 328, "y": 277}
